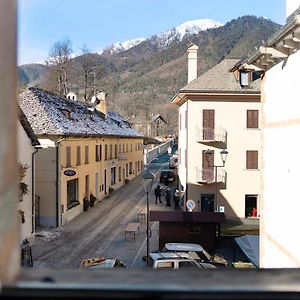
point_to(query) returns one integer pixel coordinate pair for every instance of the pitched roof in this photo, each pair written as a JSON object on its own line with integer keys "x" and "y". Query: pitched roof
{"x": 27, "y": 128}
{"x": 158, "y": 116}
{"x": 49, "y": 114}
{"x": 220, "y": 80}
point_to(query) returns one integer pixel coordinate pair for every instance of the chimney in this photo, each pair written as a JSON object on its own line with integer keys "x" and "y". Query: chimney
{"x": 102, "y": 105}
{"x": 192, "y": 62}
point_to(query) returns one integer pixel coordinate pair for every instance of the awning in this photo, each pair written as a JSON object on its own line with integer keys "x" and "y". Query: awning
{"x": 249, "y": 244}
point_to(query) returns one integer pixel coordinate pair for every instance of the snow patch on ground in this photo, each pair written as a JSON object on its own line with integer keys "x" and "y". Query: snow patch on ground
{"x": 48, "y": 235}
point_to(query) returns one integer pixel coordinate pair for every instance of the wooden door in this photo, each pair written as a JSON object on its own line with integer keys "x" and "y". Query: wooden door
{"x": 207, "y": 166}
{"x": 208, "y": 118}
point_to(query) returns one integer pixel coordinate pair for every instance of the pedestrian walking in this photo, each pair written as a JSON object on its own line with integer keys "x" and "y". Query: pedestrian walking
{"x": 168, "y": 196}
{"x": 157, "y": 193}
{"x": 176, "y": 199}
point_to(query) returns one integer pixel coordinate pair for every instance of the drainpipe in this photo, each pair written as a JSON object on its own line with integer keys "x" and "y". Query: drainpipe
{"x": 58, "y": 181}
{"x": 33, "y": 190}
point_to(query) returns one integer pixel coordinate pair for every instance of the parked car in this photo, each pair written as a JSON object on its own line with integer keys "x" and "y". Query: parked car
{"x": 197, "y": 252}
{"x": 166, "y": 175}
{"x": 102, "y": 263}
{"x": 172, "y": 260}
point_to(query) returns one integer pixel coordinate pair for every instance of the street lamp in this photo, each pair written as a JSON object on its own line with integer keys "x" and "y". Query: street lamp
{"x": 148, "y": 181}
{"x": 224, "y": 154}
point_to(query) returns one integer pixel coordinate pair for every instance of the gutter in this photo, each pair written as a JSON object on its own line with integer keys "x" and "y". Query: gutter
{"x": 33, "y": 189}
{"x": 57, "y": 192}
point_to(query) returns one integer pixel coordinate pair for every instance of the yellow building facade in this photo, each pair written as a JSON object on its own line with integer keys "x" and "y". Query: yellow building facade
{"x": 86, "y": 153}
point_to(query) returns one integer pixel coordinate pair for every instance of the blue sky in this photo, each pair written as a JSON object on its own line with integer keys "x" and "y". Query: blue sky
{"x": 98, "y": 23}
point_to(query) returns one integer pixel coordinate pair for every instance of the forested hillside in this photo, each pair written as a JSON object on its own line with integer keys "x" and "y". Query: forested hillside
{"x": 143, "y": 79}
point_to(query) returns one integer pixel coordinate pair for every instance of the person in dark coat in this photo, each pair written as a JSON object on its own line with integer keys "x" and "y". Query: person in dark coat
{"x": 157, "y": 193}
{"x": 168, "y": 196}
{"x": 176, "y": 200}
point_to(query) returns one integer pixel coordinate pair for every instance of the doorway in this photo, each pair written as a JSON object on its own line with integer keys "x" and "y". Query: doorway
{"x": 250, "y": 206}
{"x": 105, "y": 182}
{"x": 207, "y": 202}
{"x": 97, "y": 185}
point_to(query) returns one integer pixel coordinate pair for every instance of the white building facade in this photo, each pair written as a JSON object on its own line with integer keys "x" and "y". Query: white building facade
{"x": 280, "y": 205}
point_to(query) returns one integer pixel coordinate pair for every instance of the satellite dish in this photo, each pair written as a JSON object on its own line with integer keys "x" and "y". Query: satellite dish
{"x": 94, "y": 99}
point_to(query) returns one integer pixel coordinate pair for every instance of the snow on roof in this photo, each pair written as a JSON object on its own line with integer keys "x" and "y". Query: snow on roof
{"x": 50, "y": 114}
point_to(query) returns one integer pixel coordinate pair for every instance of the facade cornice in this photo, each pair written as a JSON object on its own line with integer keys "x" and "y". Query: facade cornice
{"x": 282, "y": 44}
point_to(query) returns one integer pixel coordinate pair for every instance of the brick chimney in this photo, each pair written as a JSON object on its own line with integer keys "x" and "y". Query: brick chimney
{"x": 102, "y": 105}
{"x": 192, "y": 62}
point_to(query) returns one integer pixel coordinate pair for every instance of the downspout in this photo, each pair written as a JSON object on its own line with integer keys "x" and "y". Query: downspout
{"x": 57, "y": 193}
{"x": 33, "y": 190}
{"x": 187, "y": 154}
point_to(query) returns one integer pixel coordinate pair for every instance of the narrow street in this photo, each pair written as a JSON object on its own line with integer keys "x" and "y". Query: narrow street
{"x": 100, "y": 231}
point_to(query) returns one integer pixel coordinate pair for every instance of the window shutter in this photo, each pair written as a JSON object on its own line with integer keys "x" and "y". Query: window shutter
{"x": 252, "y": 160}
{"x": 252, "y": 118}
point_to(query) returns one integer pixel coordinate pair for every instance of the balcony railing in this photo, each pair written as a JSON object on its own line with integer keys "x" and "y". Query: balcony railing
{"x": 122, "y": 156}
{"x": 207, "y": 175}
{"x": 218, "y": 134}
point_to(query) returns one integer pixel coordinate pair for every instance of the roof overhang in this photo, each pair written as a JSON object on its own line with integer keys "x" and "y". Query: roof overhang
{"x": 184, "y": 96}
{"x": 282, "y": 44}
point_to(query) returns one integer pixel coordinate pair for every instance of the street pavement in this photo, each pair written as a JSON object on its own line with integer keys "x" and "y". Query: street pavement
{"x": 99, "y": 231}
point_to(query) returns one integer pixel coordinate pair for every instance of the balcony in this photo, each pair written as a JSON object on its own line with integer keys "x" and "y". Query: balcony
{"x": 210, "y": 135}
{"x": 122, "y": 156}
{"x": 207, "y": 175}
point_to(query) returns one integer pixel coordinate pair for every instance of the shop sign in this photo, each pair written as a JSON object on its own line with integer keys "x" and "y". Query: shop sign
{"x": 69, "y": 172}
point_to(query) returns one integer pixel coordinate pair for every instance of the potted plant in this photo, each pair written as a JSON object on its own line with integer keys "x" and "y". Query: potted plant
{"x": 86, "y": 203}
{"x": 92, "y": 200}
{"x": 110, "y": 191}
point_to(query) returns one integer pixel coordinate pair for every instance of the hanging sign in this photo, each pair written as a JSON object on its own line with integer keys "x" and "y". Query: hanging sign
{"x": 69, "y": 172}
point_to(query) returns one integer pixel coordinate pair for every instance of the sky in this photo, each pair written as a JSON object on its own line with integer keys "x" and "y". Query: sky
{"x": 99, "y": 23}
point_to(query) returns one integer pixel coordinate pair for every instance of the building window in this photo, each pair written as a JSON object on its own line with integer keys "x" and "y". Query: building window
{"x": 72, "y": 193}
{"x": 250, "y": 206}
{"x": 252, "y": 160}
{"x": 120, "y": 148}
{"x": 130, "y": 168}
{"x": 126, "y": 170}
{"x": 123, "y": 148}
{"x": 244, "y": 79}
{"x": 78, "y": 156}
{"x": 120, "y": 174}
{"x": 110, "y": 151}
{"x": 252, "y": 118}
{"x": 100, "y": 152}
{"x": 130, "y": 147}
{"x": 105, "y": 152}
{"x": 86, "y": 154}
{"x": 113, "y": 175}
{"x": 126, "y": 148}
{"x": 97, "y": 153}
{"x": 116, "y": 151}
{"x": 68, "y": 156}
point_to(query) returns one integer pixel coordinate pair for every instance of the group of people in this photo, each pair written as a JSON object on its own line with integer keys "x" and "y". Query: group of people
{"x": 168, "y": 195}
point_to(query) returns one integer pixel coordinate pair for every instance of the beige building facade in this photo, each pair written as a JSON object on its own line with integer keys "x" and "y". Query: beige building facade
{"x": 96, "y": 153}
{"x": 217, "y": 111}
{"x": 279, "y": 58}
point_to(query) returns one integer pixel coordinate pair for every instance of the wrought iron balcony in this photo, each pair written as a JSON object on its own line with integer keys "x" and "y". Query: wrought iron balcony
{"x": 207, "y": 175}
{"x": 206, "y": 135}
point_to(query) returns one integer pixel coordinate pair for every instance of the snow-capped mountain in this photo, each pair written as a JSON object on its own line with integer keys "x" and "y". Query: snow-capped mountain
{"x": 121, "y": 46}
{"x": 163, "y": 39}
{"x": 177, "y": 33}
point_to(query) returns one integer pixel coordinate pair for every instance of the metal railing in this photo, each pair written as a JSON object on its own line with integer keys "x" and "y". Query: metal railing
{"x": 207, "y": 175}
{"x": 218, "y": 134}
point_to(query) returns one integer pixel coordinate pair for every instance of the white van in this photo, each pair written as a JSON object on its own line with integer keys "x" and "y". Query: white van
{"x": 172, "y": 260}
{"x": 197, "y": 252}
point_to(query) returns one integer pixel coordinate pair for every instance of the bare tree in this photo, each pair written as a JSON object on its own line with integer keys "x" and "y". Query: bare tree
{"x": 59, "y": 57}
{"x": 88, "y": 72}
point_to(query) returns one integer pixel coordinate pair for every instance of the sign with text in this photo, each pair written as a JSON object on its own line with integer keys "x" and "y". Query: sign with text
{"x": 190, "y": 205}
